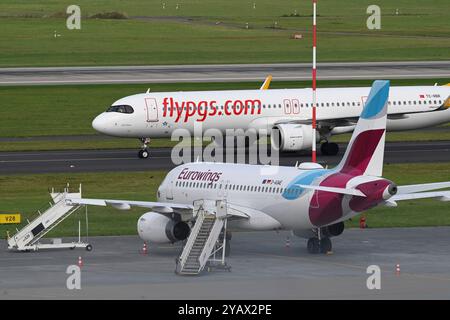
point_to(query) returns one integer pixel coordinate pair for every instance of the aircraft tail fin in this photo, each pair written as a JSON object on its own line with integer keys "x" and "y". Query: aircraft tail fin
{"x": 365, "y": 152}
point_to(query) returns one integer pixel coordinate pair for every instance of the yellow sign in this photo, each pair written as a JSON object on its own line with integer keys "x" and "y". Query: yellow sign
{"x": 10, "y": 218}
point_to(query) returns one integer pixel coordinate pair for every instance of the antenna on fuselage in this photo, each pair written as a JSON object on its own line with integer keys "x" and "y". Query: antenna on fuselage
{"x": 296, "y": 164}
{"x": 148, "y": 90}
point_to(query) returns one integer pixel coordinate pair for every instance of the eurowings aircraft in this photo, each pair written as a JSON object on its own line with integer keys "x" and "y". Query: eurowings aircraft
{"x": 308, "y": 199}
{"x": 281, "y": 113}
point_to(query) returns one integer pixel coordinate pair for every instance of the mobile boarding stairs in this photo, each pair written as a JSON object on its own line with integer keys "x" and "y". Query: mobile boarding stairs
{"x": 207, "y": 243}
{"x": 27, "y": 239}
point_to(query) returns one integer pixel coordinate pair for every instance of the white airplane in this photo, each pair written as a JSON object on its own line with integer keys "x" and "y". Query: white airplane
{"x": 311, "y": 201}
{"x": 282, "y": 112}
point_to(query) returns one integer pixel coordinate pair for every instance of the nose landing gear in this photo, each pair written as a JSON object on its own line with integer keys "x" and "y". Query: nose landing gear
{"x": 144, "y": 153}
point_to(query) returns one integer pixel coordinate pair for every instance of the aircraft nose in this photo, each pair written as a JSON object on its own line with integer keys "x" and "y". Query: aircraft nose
{"x": 99, "y": 123}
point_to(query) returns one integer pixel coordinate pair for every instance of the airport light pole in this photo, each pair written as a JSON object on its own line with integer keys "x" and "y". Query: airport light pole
{"x": 314, "y": 75}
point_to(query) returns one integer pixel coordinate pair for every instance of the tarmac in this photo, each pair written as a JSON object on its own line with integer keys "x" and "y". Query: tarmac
{"x": 224, "y": 73}
{"x": 262, "y": 268}
{"x": 160, "y": 158}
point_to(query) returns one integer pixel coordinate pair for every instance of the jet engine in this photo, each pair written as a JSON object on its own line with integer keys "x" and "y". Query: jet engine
{"x": 157, "y": 228}
{"x": 291, "y": 137}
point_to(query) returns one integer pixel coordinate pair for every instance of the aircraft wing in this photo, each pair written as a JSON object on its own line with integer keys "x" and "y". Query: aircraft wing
{"x": 160, "y": 207}
{"x": 324, "y": 122}
{"x": 348, "y": 121}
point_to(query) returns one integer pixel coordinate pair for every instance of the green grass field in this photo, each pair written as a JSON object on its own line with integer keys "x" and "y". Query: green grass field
{"x": 27, "y": 193}
{"x": 214, "y": 32}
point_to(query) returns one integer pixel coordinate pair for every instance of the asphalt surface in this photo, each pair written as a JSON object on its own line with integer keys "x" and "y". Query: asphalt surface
{"x": 262, "y": 268}
{"x": 223, "y": 73}
{"x": 160, "y": 158}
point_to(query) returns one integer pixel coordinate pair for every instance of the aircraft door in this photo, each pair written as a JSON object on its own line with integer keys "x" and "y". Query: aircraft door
{"x": 363, "y": 100}
{"x": 151, "y": 109}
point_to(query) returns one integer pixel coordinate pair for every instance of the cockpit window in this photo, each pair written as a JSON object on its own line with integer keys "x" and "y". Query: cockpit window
{"x": 121, "y": 109}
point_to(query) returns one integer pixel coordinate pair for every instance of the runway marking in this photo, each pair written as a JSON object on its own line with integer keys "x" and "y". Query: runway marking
{"x": 161, "y": 157}
{"x": 72, "y": 160}
{"x": 53, "y": 153}
{"x": 25, "y": 259}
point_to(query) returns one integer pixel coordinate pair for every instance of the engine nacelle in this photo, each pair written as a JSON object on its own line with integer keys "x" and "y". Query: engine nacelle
{"x": 157, "y": 228}
{"x": 291, "y": 137}
{"x": 334, "y": 230}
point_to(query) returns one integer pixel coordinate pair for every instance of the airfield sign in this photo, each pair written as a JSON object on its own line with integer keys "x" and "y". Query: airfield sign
{"x": 10, "y": 218}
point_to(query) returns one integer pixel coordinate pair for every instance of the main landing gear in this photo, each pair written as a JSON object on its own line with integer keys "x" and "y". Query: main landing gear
{"x": 329, "y": 148}
{"x": 144, "y": 153}
{"x": 319, "y": 244}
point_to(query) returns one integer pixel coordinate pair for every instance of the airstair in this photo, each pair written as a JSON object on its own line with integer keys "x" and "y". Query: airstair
{"x": 204, "y": 243}
{"x": 27, "y": 239}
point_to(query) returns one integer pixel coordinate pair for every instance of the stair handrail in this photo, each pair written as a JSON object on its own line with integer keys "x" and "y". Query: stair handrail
{"x": 210, "y": 242}
{"x": 192, "y": 237}
{"x": 37, "y": 215}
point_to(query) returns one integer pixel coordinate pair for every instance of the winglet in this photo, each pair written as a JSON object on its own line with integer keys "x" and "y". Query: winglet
{"x": 266, "y": 83}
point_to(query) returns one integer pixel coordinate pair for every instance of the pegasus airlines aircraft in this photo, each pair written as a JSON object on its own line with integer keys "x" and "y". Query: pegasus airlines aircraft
{"x": 285, "y": 113}
{"x": 308, "y": 199}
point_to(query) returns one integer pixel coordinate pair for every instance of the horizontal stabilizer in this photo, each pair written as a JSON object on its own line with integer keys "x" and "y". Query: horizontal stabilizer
{"x": 440, "y": 195}
{"x": 422, "y": 187}
{"x": 351, "y": 192}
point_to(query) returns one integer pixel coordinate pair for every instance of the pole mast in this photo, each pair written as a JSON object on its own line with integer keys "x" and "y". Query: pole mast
{"x": 314, "y": 75}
